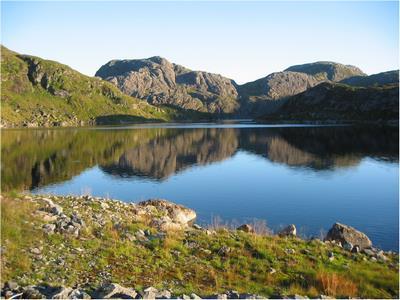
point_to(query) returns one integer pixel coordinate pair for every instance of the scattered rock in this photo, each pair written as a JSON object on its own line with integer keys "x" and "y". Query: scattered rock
{"x": 32, "y": 292}
{"x": 56, "y": 209}
{"x": 290, "y": 251}
{"x": 380, "y": 256}
{"x": 224, "y": 250}
{"x": 331, "y": 256}
{"x": 35, "y": 251}
{"x": 347, "y": 234}
{"x": 11, "y": 285}
{"x": 347, "y": 246}
{"x": 288, "y": 231}
{"x": 149, "y": 293}
{"x": 49, "y": 228}
{"x": 104, "y": 205}
{"x": 114, "y": 290}
{"x": 63, "y": 293}
{"x": 165, "y": 294}
{"x": 194, "y": 296}
{"x": 246, "y": 228}
{"x": 78, "y": 294}
{"x": 369, "y": 252}
{"x": 233, "y": 295}
{"x": 173, "y": 216}
{"x": 295, "y": 296}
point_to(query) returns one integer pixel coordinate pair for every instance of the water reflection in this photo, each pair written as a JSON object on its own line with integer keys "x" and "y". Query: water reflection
{"x": 35, "y": 158}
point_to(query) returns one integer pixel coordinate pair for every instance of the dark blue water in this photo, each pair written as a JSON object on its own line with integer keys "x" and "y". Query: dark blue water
{"x": 308, "y": 176}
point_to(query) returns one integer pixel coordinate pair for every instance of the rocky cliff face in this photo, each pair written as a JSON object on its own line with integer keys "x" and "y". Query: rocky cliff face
{"x": 278, "y": 85}
{"x": 161, "y": 82}
{"x": 257, "y": 95}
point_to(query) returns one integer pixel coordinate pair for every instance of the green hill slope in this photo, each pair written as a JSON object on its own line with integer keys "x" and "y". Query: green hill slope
{"x": 37, "y": 92}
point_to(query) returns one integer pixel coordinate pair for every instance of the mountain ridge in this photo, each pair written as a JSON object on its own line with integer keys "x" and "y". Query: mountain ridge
{"x": 43, "y": 93}
{"x": 157, "y": 81}
{"x": 38, "y": 92}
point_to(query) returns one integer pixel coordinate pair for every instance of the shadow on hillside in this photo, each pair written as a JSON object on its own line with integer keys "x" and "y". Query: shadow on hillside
{"x": 122, "y": 119}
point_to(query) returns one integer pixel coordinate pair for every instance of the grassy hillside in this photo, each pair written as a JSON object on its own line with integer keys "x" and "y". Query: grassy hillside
{"x": 38, "y": 92}
{"x": 109, "y": 248}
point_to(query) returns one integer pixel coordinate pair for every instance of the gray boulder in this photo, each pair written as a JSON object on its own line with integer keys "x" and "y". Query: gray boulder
{"x": 347, "y": 234}
{"x": 246, "y": 228}
{"x": 288, "y": 231}
{"x": 172, "y": 216}
{"x": 49, "y": 228}
{"x": 114, "y": 290}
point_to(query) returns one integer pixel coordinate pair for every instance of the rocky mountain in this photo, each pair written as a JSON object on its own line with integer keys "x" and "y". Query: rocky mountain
{"x": 159, "y": 81}
{"x": 384, "y": 78}
{"x": 37, "y": 92}
{"x": 339, "y": 102}
{"x": 327, "y": 70}
{"x": 260, "y": 96}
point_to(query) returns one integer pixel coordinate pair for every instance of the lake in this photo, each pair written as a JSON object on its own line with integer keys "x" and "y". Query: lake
{"x": 236, "y": 172}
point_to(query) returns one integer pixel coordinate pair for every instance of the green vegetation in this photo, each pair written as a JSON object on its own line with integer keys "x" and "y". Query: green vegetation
{"x": 37, "y": 92}
{"x": 185, "y": 262}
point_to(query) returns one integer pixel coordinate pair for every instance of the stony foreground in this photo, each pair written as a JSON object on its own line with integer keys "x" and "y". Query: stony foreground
{"x": 86, "y": 247}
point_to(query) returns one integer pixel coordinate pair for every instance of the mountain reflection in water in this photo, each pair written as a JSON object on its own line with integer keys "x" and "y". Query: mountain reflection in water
{"x": 35, "y": 158}
{"x": 308, "y": 176}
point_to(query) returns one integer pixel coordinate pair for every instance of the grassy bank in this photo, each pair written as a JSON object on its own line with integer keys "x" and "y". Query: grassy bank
{"x": 204, "y": 261}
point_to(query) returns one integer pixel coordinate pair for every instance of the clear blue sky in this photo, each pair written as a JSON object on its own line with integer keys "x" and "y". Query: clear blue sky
{"x": 243, "y": 41}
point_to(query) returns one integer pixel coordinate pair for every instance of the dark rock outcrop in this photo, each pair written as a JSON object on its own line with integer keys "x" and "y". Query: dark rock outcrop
{"x": 348, "y": 235}
{"x": 334, "y": 102}
{"x": 380, "y": 79}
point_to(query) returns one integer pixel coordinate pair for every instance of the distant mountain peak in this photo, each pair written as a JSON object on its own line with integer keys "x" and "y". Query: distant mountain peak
{"x": 328, "y": 70}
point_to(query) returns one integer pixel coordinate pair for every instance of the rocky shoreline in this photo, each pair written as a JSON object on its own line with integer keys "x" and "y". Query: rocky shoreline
{"x": 68, "y": 227}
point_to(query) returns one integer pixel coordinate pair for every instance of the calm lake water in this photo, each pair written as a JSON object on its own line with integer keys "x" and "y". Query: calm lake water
{"x": 309, "y": 176}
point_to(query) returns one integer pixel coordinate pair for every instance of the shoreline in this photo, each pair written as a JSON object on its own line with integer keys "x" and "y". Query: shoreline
{"x": 157, "y": 250}
{"x": 272, "y": 122}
